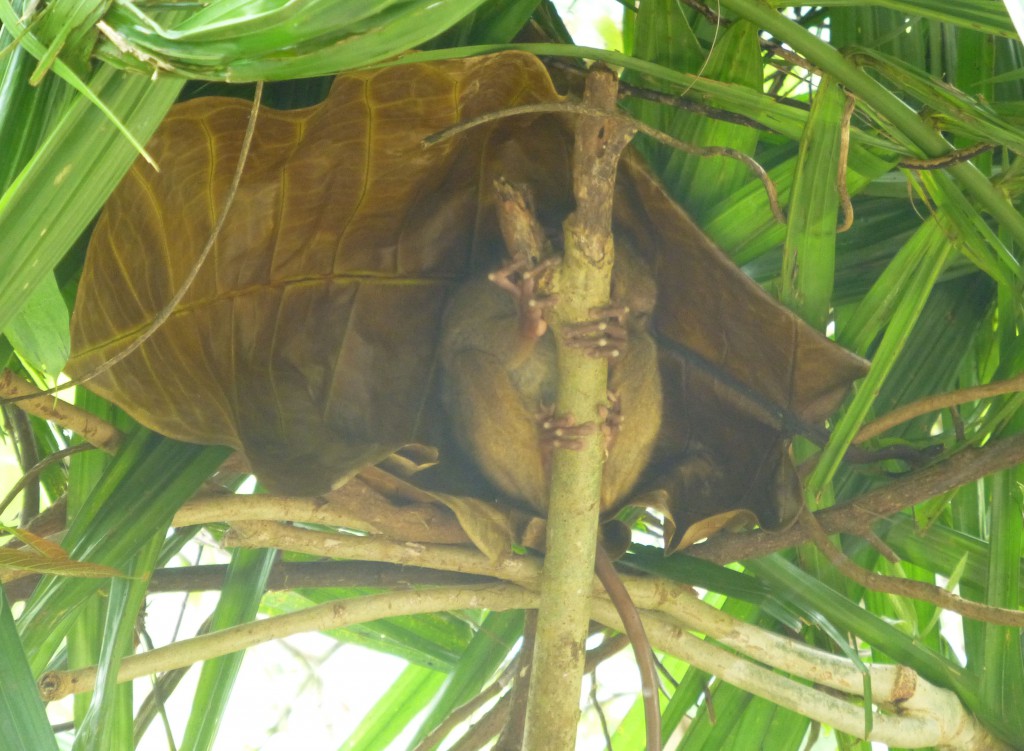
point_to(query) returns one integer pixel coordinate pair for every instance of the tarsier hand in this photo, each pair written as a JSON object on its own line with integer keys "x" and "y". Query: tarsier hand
{"x": 501, "y": 378}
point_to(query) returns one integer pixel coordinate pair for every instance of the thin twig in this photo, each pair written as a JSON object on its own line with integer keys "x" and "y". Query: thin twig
{"x": 794, "y": 60}
{"x": 486, "y": 728}
{"x": 42, "y": 404}
{"x": 626, "y": 121}
{"x": 844, "y": 157}
{"x": 957, "y": 156}
{"x": 906, "y": 587}
{"x": 464, "y": 712}
{"x": 38, "y": 467}
{"x": 600, "y": 712}
{"x": 511, "y": 738}
{"x": 859, "y": 515}
{"x": 937, "y": 402}
{"x": 27, "y": 453}
{"x": 721, "y": 22}
{"x": 676, "y": 101}
{"x": 291, "y": 575}
{"x": 155, "y": 702}
{"x": 709, "y": 14}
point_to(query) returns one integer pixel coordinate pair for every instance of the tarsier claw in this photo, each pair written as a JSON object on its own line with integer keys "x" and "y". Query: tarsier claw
{"x": 603, "y": 336}
{"x": 563, "y": 433}
{"x": 612, "y": 419}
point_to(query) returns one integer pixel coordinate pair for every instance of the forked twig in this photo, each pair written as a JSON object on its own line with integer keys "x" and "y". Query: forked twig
{"x": 626, "y": 120}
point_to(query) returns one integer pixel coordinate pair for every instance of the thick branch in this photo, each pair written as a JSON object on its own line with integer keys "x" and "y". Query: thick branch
{"x": 575, "y": 494}
{"x": 858, "y": 516}
{"x": 929, "y": 716}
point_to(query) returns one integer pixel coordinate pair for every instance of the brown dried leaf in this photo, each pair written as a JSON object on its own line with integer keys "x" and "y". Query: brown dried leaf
{"x": 489, "y": 526}
{"x": 728, "y": 521}
{"x": 41, "y": 545}
{"x": 44, "y": 557}
{"x": 308, "y": 340}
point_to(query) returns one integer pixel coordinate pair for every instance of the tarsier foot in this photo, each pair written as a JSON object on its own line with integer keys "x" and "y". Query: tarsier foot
{"x": 602, "y": 336}
{"x": 562, "y": 432}
{"x": 612, "y": 420}
{"x": 520, "y": 279}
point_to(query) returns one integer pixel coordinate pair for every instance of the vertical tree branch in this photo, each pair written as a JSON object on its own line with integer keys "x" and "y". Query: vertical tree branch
{"x": 584, "y": 283}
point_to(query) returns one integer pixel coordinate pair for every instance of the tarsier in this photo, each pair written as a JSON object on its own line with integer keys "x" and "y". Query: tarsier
{"x": 501, "y": 378}
{"x": 501, "y": 373}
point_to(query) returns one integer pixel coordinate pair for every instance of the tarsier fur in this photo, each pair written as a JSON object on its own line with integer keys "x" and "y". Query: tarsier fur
{"x": 501, "y": 380}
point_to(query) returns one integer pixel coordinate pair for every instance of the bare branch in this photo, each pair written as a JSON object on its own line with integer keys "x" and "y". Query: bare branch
{"x": 92, "y": 429}
{"x": 331, "y": 615}
{"x": 859, "y": 515}
{"x": 906, "y": 587}
{"x": 575, "y": 489}
{"x": 928, "y": 716}
{"x": 936, "y": 402}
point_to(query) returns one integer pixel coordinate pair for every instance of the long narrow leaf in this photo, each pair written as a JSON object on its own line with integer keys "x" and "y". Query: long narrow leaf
{"x": 808, "y": 258}
{"x": 239, "y": 600}
{"x": 278, "y": 40}
{"x": 108, "y": 722}
{"x": 408, "y": 695}
{"x": 490, "y": 646}
{"x": 1002, "y": 681}
{"x": 76, "y": 167}
{"x": 136, "y": 497}
{"x": 23, "y": 723}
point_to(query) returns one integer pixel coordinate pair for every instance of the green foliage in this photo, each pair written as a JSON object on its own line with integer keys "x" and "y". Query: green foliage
{"x": 23, "y": 713}
{"x": 926, "y": 283}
